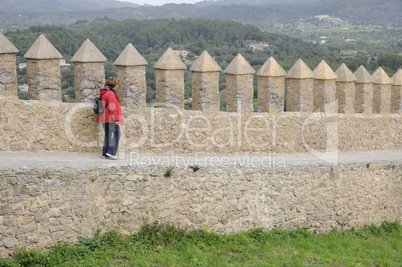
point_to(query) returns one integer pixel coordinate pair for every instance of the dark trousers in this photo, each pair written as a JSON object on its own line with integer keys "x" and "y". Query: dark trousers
{"x": 111, "y": 141}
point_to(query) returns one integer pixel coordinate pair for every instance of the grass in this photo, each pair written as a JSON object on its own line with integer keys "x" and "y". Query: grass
{"x": 167, "y": 245}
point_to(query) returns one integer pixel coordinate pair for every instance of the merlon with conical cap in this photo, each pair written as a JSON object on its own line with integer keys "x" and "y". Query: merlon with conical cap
{"x": 300, "y": 71}
{"x": 345, "y": 74}
{"x": 130, "y": 57}
{"x": 205, "y": 63}
{"x": 42, "y": 49}
{"x": 381, "y": 77}
{"x": 324, "y": 72}
{"x": 363, "y": 76}
{"x": 88, "y": 52}
{"x": 397, "y": 78}
{"x": 239, "y": 66}
{"x": 169, "y": 61}
{"x": 6, "y": 47}
{"x": 271, "y": 68}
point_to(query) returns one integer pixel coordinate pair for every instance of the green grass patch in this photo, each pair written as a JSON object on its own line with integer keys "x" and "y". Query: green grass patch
{"x": 167, "y": 245}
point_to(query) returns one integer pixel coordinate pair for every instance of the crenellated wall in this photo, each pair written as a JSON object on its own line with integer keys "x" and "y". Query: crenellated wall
{"x": 311, "y": 121}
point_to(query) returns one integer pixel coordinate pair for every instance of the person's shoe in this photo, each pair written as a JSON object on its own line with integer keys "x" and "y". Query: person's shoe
{"x": 105, "y": 156}
{"x": 109, "y": 156}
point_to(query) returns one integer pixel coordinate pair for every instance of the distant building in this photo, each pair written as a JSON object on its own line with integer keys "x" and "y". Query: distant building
{"x": 322, "y": 42}
{"x": 322, "y": 17}
{"x": 63, "y": 64}
{"x": 23, "y": 88}
{"x": 350, "y": 41}
{"x": 328, "y": 19}
{"x": 181, "y": 53}
{"x": 349, "y": 53}
{"x": 258, "y": 46}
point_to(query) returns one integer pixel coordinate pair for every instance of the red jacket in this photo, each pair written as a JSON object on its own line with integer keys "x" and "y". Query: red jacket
{"x": 112, "y": 106}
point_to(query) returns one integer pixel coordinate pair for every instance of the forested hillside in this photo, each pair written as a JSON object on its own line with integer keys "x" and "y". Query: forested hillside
{"x": 24, "y": 6}
{"x": 248, "y": 2}
{"x": 222, "y": 39}
{"x": 369, "y": 27}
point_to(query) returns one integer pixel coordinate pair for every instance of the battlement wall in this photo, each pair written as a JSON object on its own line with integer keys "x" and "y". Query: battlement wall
{"x": 53, "y": 126}
{"x": 324, "y": 110}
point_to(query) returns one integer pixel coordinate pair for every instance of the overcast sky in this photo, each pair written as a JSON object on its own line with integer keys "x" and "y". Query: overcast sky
{"x": 161, "y": 2}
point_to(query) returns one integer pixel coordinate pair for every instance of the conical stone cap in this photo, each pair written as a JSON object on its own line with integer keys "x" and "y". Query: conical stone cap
{"x": 42, "y": 49}
{"x": 324, "y": 72}
{"x": 397, "y": 78}
{"x": 130, "y": 57}
{"x": 88, "y": 53}
{"x": 363, "y": 76}
{"x": 381, "y": 77}
{"x": 271, "y": 68}
{"x": 239, "y": 66}
{"x": 300, "y": 71}
{"x": 6, "y": 47}
{"x": 345, "y": 74}
{"x": 205, "y": 63}
{"x": 170, "y": 61}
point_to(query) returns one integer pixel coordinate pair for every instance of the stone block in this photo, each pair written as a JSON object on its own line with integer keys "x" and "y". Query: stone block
{"x": 9, "y": 242}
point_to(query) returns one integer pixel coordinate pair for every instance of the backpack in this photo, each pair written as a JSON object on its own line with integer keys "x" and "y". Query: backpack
{"x": 97, "y": 104}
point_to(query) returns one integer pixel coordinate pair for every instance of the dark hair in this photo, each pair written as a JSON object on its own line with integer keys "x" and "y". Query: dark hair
{"x": 113, "y": 82}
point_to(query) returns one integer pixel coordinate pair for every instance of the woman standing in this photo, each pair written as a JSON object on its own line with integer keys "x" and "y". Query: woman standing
{"x": 111, "y": 118}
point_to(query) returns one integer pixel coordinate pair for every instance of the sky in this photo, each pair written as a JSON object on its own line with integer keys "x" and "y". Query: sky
{"x": 161, "y": 2}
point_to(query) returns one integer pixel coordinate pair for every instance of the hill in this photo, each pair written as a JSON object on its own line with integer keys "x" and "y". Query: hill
{"x": 248, "y": 2}
{"x": 363, "y": 27}
{"x": 28, "y": 6}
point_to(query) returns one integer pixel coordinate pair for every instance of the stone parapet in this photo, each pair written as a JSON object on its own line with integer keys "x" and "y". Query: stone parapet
{"x": 89, "y": 72}
{"x": 43, "y": 74}
{"x": 8, "y": 72}
{"x": 170, "y": 87}
{"x": 396, "y": 93}
{"x": 169, "y": 78}
{"x": 54, "y": 126}
{"x": 89, "y": 78}
{"x": 364, "y": 91}
{"x": 381, "y": 92}
{"x": 131, "y": 74}
{"x": 345, "y": 89}
{"x": 8, "y": 75}
{"x": 205, "y": 84}
{"x": 44, "y": 79}
{"x": 239, "y": 85}
{"x": 271, "y": 87}
{"x": 132, "y": 90}
{"x": 300, "y": 84}
{"x": 324, "y": 89}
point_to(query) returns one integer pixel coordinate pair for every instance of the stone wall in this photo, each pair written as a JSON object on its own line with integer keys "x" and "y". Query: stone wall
{"x": 44, "y": 79}
{"x": 8, "y": 75}
{"x": 55, "y": 126}
{"x": 42, "y": 206}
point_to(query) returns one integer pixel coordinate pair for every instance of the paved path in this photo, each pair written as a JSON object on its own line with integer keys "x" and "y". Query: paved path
{"x": 58, "y": 160}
